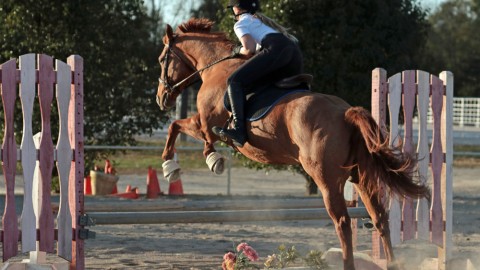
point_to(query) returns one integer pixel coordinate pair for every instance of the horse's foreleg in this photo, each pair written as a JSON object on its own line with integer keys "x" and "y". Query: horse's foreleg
{"x": 189, "y": 126}
{"x": 192, "y": 127}
{"x": 215, "y": 161}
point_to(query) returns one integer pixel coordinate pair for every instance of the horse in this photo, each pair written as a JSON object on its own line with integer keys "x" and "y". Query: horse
{"x": 332, "y": 141}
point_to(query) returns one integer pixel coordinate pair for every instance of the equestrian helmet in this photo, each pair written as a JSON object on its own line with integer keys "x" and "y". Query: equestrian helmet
{"x": 249, "y": 5}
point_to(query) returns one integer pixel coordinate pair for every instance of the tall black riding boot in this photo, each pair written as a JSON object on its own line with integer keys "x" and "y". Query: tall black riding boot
{"x": 238, "y": 132}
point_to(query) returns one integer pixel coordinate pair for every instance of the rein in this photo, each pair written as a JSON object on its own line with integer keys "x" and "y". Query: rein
{"x": 173, "y": 89}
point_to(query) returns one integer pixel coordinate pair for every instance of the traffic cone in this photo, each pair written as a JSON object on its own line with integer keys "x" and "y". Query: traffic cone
{"x": 130, "y": 193}
{"x": 87, "y": 185}
{"x": 176, "y": 186}
{"x": 153, "y": 186}
{"x": 108, "y": 166}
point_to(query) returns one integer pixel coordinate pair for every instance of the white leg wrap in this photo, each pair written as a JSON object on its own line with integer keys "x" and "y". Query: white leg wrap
{"x": 216, "y": 162}
{"x": 171, "y": 170}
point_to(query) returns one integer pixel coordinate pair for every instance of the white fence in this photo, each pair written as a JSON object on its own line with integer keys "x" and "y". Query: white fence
{"x": 466, "y": 112}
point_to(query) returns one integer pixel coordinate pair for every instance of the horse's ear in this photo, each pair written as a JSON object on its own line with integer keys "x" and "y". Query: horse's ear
{"x": 168, "y": 34}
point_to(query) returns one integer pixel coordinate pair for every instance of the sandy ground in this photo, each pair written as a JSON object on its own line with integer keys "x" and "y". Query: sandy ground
{"x": 202, "y": 246}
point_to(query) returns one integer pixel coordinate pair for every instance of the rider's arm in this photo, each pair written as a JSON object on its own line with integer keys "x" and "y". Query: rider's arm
{"x": 249, "y": 46}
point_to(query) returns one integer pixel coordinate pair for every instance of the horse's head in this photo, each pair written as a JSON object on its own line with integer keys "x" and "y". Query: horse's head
{"x": 192, "y": 45}
{"x": 178, "y": 71}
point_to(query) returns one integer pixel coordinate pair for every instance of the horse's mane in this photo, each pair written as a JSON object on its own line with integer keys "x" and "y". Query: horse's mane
{"x": 195, "y": 25}
{"x": 203, "y": 25}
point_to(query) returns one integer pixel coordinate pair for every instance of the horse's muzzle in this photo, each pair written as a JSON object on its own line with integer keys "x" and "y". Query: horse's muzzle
{"x": 162, "y": 102}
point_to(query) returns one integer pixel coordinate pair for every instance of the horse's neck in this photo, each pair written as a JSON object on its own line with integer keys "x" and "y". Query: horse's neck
{"x": 214, "y": 85}
{"x": 208, "y": 53}
{"x": 215, "y": 77}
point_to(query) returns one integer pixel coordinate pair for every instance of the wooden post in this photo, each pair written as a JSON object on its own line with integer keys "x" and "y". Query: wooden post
{"x": 379, "y": 105}
{"x": 76, "y": 197}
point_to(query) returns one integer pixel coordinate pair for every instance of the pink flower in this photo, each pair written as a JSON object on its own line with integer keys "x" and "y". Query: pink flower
{"x": 250, "y": 253}
{"x": 241, "y": 246}
{"x": 229, "y": 256}
{"x": 229, "y": 260}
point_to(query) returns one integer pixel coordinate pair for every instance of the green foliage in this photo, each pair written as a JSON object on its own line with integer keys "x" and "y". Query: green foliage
{"x": 314, "y": 260}
{"x": 283, "y": 258}
{"x": 208, "y": 9}
{"x": 454, "y": 44}
{"x": 118, "y": 42}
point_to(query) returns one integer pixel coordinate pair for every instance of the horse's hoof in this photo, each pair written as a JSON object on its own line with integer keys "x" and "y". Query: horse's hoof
{"x": 171, "y": 170}
{"x": 216, "y": 162}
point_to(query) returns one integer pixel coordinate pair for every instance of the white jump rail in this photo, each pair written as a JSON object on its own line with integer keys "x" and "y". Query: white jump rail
{"x": 37, "y": 232}
{"x": 404, "y": 92}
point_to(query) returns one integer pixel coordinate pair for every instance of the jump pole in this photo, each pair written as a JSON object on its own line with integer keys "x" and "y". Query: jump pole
{"x": 103, "y": 218}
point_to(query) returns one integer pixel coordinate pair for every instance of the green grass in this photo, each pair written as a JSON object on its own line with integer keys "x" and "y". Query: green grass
{"x": 138, "y": 161}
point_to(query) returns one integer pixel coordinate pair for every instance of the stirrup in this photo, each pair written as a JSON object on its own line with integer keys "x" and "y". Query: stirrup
{"x": 224, "y": 135}
{"x": 219, "y": 132}
{"x": 235, "y": 135}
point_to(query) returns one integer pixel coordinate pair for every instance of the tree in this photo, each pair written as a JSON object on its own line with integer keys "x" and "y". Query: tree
{"x": 119, "y": 47}
{"x": 454, "y": 44}
{"x": 208, "y": 9}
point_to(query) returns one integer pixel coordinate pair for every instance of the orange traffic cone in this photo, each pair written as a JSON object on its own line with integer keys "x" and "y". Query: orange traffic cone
{"x": 176, "y": 186}
{"x": 87, "y": 185}
{"x": 130, "y": 193}
{"x": 153, "y": 186}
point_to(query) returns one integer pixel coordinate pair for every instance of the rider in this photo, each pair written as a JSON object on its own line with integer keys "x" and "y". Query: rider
{"x": 279, "y": 57}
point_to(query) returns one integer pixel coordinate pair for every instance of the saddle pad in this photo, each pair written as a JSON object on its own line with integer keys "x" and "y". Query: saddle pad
{"x": 259, "y": 103}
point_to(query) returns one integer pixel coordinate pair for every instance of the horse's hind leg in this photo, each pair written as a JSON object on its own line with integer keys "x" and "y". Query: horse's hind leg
{"x": 337, "y": 209}
{"x": 376, "y": 209}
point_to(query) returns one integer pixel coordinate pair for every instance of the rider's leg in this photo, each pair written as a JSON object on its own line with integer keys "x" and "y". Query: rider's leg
{"x": 237, "y": 100}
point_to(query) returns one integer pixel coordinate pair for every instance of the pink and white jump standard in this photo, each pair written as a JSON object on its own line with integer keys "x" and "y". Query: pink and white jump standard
{"x": 37, "y": 228}
{"x": 401, "y": 94}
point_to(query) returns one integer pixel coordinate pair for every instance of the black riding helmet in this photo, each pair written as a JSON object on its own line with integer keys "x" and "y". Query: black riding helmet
{"x": 251, "y": 6}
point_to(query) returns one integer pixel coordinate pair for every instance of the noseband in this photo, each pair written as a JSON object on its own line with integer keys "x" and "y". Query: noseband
{"x": 175, "y": 89}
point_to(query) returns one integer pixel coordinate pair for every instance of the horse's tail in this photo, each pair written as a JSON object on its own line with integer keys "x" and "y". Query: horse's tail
{"x": 376, "y": 159}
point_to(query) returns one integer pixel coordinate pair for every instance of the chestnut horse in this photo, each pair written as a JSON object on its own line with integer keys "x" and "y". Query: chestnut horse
{"x": 326, "y": 136}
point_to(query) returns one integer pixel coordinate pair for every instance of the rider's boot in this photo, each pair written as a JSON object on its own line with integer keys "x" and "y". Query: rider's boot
{"x": 238, "y": 133}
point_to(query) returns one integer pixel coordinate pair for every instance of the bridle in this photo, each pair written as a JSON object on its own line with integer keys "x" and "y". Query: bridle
{"x": 175, "y": 89}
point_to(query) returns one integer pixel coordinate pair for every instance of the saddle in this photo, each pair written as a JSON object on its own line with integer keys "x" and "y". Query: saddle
{"x": 261, "y": 99}
{"x": 295, "y": 81}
